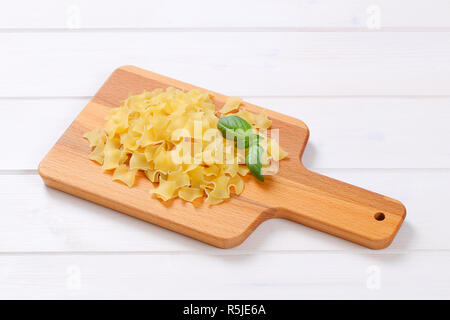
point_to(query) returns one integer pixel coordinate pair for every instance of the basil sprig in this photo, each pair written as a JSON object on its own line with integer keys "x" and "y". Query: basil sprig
{"x": 253, "y": 160}
{"x": 237, "y": 129}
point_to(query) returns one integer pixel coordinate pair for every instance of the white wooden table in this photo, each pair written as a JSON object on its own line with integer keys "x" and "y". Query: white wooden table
{"x": 370, "y": 78}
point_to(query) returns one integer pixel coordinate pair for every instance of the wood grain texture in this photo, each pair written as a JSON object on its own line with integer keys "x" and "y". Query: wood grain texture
{"x": 294, "y": 193}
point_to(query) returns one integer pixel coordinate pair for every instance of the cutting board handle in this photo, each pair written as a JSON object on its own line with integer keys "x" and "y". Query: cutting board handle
{"x": 335, "y": 207}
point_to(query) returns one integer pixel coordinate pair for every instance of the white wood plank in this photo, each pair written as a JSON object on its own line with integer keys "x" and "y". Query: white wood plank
{"x": 263, "y": 276}
{"x": 39, "y": 219}
{"x": 345, "y": 132}
{"x": 36, "y": 123}
{"x": 371, "y": 132}
{"x": 351, "y": 14}
{"x": 234, "y": 63}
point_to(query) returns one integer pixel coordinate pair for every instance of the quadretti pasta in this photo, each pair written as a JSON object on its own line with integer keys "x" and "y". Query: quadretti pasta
{"x": 172, "y": 137}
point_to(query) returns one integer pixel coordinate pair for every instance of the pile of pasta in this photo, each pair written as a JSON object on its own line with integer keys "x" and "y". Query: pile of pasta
{"x": 151, "y": 132}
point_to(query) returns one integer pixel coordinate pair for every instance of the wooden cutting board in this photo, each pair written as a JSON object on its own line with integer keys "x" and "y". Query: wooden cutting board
{"x": 295, "y": 193}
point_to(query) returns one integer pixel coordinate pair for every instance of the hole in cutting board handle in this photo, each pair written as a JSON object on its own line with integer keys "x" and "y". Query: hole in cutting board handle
{"x": 379, "y": 216}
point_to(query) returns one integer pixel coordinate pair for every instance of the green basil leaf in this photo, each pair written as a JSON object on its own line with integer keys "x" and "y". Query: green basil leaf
{"x": 253, "y": 161}
{"x": 255, "y": 139}
{"x": 243, "y": 138}
{"x": 237, "y": 129}
{"x": 233, "y": 123}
